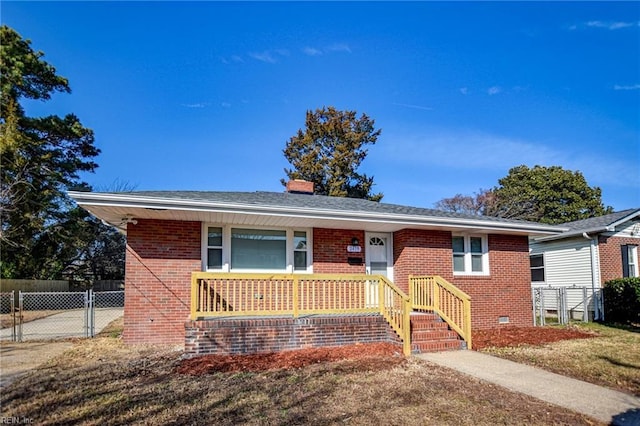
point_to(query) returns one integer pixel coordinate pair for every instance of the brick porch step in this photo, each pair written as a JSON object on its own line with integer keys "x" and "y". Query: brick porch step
{"x": 429, "y": 333}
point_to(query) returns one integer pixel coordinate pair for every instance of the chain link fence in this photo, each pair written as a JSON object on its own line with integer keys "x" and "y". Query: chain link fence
{"x": 106, "y": 306}
{"x": 561, "y": 304}
{"x": 8, "y": 313}
{"x": 59, "y": 315}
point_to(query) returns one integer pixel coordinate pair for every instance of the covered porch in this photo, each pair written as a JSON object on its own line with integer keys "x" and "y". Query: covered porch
{"x": 323, "y": 303}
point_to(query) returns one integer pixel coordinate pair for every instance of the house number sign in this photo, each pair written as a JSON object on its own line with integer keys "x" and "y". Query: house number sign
{"x": 354, "y": 249}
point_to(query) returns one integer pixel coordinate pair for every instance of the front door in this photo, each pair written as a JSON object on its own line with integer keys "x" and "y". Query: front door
{"x": 378, "y": 262}
{"x": 378, "y": 255}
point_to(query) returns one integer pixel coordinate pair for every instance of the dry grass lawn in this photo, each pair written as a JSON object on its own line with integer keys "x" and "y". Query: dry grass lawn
{"x": 610, "y": 359}
{"x": 102, "y": 381}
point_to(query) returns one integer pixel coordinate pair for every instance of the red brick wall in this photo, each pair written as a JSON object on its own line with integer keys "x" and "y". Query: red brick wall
{"x": 505, "y": 292}
{"x": 246, "y": 336}
{"x": 417, "y": 252}
{"x": 330, "y": 254}
{"x": 611, "y": 256}
{"x": 162, "y": 254}
{"x": 160, "y": 258}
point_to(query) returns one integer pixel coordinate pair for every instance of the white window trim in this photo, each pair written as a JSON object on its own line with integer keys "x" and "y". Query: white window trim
{"x": 467, "y": 255}
{"x": 632, "y": 259}
{"x": 226, "y": 249}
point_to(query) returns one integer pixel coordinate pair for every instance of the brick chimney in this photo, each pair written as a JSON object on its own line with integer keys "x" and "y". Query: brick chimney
{"x": 299, "y": 186}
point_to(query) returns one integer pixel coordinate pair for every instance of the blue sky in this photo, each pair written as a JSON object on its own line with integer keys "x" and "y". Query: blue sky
{"x": 205, "y": 95}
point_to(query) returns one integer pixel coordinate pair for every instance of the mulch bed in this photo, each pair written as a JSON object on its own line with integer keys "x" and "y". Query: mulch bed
{"x": 371, "y": 356}
{"x": 517, "y": 336}
{"x": 368, "y": 357}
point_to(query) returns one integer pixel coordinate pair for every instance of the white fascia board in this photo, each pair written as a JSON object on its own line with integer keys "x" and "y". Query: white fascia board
{"x": 152, "y": 203}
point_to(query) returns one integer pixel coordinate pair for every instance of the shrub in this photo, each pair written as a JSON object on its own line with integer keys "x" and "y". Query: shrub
{"x": 622, "y": 300}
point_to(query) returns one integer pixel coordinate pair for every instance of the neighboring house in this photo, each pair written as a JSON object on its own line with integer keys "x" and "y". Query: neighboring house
{"x": 588, "y": 254}
{"x": 261, "y": 271}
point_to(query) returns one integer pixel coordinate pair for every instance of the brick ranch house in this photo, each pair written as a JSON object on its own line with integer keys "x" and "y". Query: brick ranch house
{"x": 247, "y": 272}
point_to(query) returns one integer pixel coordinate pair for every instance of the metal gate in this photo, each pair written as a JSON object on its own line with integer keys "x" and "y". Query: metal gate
{"x": 59, "y": 315}
{"x": 559, "y": 305}
{"x": 8, "y": 314}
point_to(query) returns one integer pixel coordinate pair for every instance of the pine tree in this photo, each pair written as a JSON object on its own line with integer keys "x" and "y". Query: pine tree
{"x": 329, "y": 152}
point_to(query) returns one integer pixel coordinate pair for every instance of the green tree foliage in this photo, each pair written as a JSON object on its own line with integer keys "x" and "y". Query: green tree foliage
{"x": 545, "y": 194}
{"x": 541, "y": 194}
{"x": 42, "y": 233}
{"x": 329, "y": 152}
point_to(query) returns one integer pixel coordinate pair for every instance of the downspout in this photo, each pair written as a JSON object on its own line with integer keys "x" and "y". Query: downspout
{"x": 595, "y": 284}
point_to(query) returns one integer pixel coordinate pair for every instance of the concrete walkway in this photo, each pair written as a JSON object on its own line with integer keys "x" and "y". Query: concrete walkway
{"x": 603, "y": 404}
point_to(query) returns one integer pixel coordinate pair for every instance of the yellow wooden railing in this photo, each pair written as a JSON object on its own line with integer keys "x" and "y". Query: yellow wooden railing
{"x": 231, "y": 294}
{"x": 434, "y": 293}
{"x": 395, "y": 307}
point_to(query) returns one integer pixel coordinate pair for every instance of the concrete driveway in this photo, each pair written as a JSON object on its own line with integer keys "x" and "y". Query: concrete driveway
{"x": 18, "y": 358}
{"x": 70, "y": 323}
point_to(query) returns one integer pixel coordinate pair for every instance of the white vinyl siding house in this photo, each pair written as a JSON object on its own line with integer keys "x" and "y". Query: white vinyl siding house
{"x": 589, "y": 253}
{"x": 629, "y": 229}
{"x": 567, "y": 263}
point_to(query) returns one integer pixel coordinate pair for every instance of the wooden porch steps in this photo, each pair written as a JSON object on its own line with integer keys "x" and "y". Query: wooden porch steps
{"x": 429, "y": 333}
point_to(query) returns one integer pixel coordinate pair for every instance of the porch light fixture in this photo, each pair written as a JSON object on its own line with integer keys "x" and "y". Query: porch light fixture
{"x": 127, "y": 220}
{"x": 355, "y": 241}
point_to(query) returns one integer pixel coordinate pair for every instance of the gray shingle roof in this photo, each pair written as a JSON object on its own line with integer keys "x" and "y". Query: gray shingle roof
{"x": 293, "y": 200}
{"x": 600, "y": 222}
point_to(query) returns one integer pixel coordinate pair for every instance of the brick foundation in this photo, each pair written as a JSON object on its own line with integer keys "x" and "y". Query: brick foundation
{"x": 262, "y": 335}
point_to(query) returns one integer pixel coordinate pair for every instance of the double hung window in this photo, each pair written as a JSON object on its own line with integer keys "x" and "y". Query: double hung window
{"x": 536, "y": 262}
{"x": 629, "y": 261}
{"x": 300, "y": 251}
{"x": 214, "y": 247}
{"x": 470, "y": 255}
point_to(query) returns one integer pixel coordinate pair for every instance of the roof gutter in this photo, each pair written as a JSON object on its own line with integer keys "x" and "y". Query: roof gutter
{"x": 577, "y": 233}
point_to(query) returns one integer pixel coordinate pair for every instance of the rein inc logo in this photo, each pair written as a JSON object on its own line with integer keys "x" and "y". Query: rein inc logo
{"x": 16, "y": 420}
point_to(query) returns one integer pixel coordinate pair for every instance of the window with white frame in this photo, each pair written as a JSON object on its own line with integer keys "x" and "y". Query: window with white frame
{"x": 470, "y": 255}
{"x": 300, "y": 258}
{"x": 629, "y": 261}
{"x": 228, "y": 248}
{"x": 536, "y": 262}
{"x": 258, "y": 249}
{"x": 214, "y": 247}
